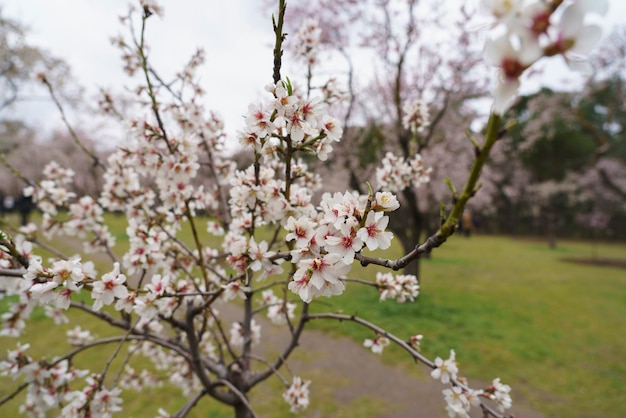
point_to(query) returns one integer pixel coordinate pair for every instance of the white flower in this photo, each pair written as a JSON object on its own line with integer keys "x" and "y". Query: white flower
{"x": 301, "y": 230}
{"x": 512, "y": 62}
{"x": 234, "y": 289}
{"x": 373, "y": 233}
{"x": 68, "y": 272}
{"x": 108, "y": 288}
{"x": 158, "y": 284}
{"x": 502, "y": 9}
{"x": 105, "y": 402}
{"x": 445, "y": 369}
{"x": 572, "y": 35}
{"x": 385, "y": 202}
{"x": 377, "y": 344}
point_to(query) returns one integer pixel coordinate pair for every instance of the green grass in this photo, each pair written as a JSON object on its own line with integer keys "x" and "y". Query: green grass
{"x": 510, "y": 308}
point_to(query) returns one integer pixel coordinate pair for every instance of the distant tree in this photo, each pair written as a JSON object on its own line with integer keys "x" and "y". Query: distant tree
{"x": 573, "y": 148}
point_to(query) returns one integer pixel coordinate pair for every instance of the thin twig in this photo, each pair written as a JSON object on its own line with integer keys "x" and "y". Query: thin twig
{"x": 189, "y": 405}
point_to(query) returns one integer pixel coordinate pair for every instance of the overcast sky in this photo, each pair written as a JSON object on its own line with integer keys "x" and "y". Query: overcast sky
{"x": 236, "y": 35}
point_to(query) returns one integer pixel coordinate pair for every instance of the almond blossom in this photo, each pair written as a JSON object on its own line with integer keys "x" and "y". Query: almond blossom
{"x": 297, "y": 395}
{"x": 445, "y": 370}
{"x": 373, "y": 233}
{"x": 108, "y": 288}
{"x": 377, "y": 345}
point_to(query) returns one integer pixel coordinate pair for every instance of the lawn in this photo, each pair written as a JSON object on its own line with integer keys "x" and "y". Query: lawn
{"x": 510, "y": 308}
{"x": 513, "y": 309}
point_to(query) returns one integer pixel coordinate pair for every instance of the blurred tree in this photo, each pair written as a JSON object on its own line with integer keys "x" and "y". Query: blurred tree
{"x": 573, "y": 146}
{"x": 22, "y": 67}
{"x": 20, "y": 63}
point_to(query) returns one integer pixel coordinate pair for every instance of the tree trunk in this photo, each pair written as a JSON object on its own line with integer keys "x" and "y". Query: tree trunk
{"x": 242, "y": 411}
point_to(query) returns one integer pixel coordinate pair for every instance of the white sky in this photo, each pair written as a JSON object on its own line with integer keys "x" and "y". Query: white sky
{"x": 235, "y": 34}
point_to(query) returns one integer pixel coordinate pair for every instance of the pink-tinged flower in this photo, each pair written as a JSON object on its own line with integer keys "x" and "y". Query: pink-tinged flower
{"x": 345, "y": 245}
{"x": 109, "y": 287}
{"x": 572, "y": 35}
{"x": 258, "y": 121}
{"x": 16, "y": 359}
{"x": 215, "y": 228}
{"x": 234, "y": 289}
{"x": 259, "y": 255}
{"x": 126, "y": 304}
{"x": 297, "y": 396}
{"x": 158, "y": 284}
{"x": 377, "y": 344}
{"x": 146, "y": 307}
{"x": 301, "y": 230}
{"x": 105, "y": 402}
{"x": 512, "y": 62}
{"x": 331, "y": 128}
{"x": 373, "y": 233}
{"x": 445, "y": 370}
{"x": 415, "y": 341}
{"x": 68, "y": 272}
{"x": 319, "y": 277}
{"x": 302, "y": 287}
{"x": 324, "y": 270}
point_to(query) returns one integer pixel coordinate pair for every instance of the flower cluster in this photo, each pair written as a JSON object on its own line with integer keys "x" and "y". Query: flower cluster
{"x": 278, "y": 310}
{"x": 55, "y": 285}
{"x": 527, "y": 31}
{"x": 397, "y": 174}
{"x": 48, "y": 386}
{"x": 78, "y": 336}
{"x": 237, "y": 335}
{"x": 401, "y": 287}
{"x": 459, "y": 401}
{"x": 297, "y": 395}
{"x": 308, "y": 41}
{"x": 300, "y": 124}
{"x": 416, "y": 116}
{"x": 52, "y": 191}
{"x": 500, "y": 393}
{"x": 325, "y": 247}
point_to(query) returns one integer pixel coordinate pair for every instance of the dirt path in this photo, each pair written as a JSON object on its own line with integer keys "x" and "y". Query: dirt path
{"x": 354, "y": 375}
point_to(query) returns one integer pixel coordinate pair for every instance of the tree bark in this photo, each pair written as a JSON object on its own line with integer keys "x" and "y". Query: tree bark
{"x": 241, "y": 410}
